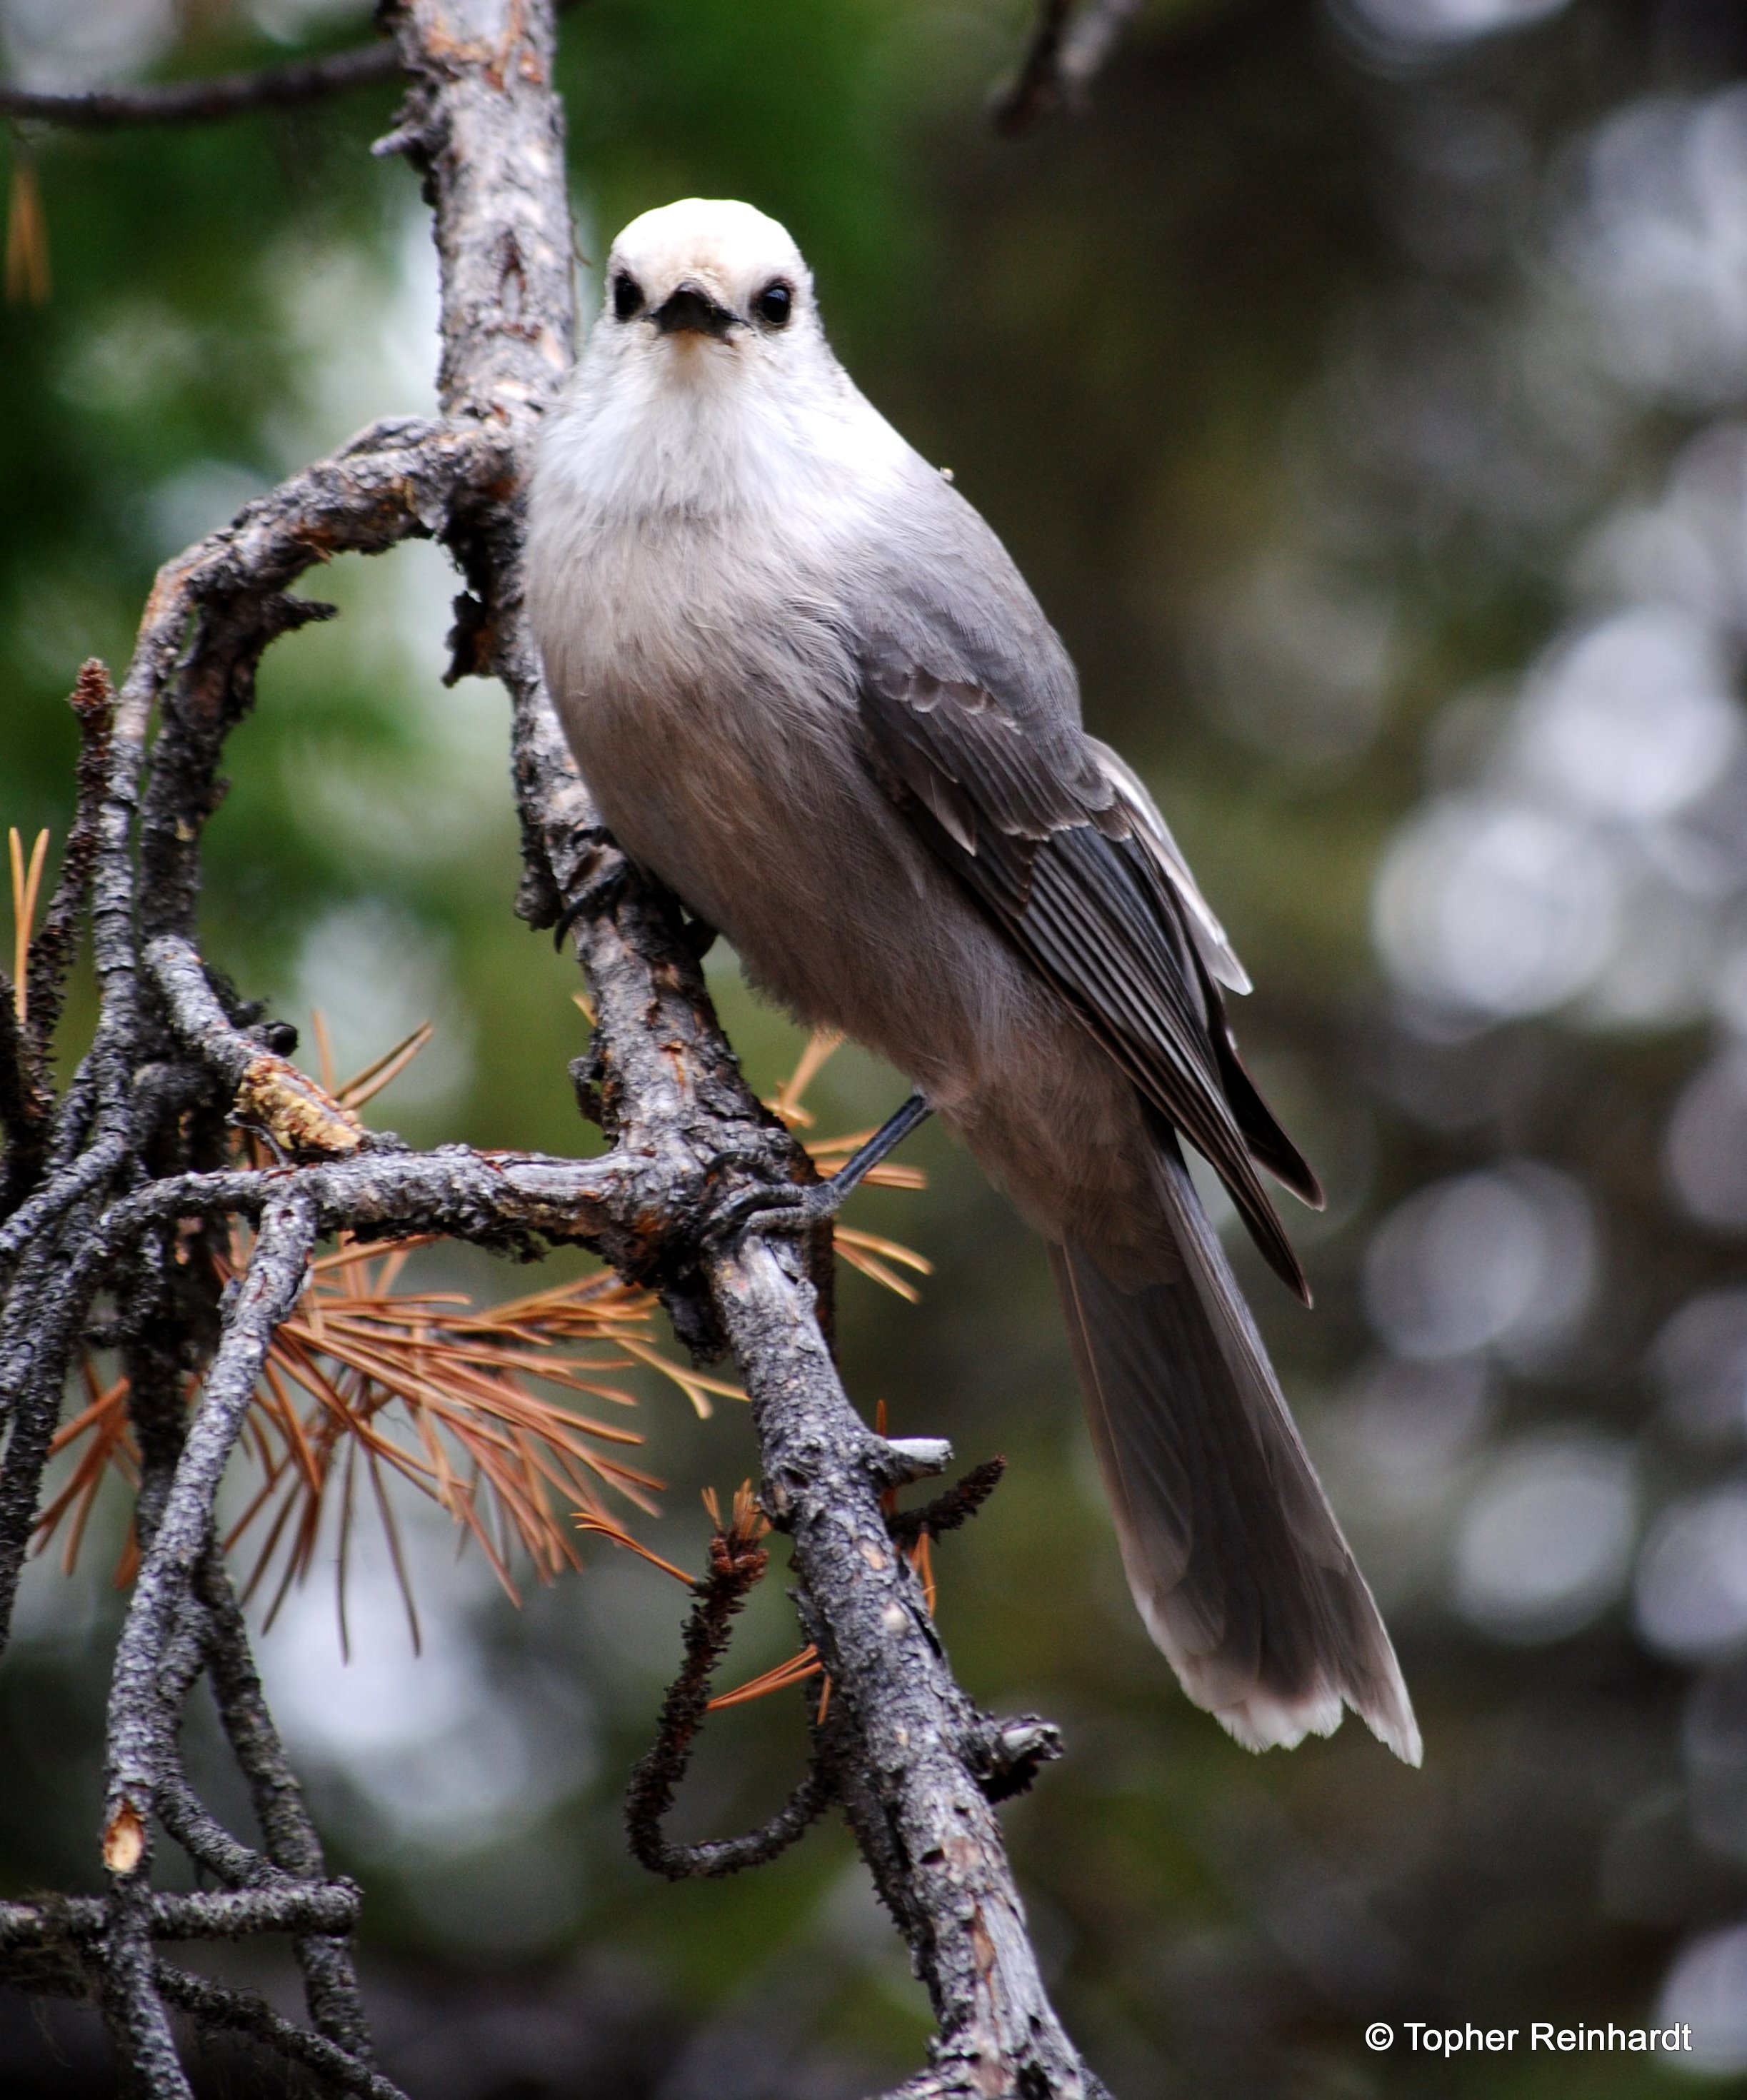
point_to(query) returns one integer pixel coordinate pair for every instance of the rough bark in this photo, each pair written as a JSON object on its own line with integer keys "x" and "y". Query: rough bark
{"x": 133, "y": 1158}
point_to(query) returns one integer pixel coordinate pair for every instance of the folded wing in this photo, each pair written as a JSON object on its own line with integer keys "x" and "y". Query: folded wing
{"x": 1058, "y": 841}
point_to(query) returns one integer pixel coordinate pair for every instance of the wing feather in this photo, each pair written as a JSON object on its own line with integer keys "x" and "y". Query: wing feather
{"x": 1047, "y": 834}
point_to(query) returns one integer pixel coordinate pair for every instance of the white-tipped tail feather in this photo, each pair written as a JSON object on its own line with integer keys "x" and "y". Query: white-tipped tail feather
{"x": 1237, "y": 1565}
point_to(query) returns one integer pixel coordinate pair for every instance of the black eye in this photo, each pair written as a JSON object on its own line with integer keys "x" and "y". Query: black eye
{"x": 627, "y": 296}
{"x": 772, "y": 304}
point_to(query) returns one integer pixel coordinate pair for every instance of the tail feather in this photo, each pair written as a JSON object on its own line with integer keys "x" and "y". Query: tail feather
{"x": 1235, "y": 1557}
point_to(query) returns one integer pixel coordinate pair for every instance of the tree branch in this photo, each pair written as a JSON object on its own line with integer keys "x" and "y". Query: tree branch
{"x": 947, "y": 1512}
{"x": 737, "y": 1563}
{"x": 143, "y": 1715}
{"x": 330, "y": 1907}
{"x": 137, "y": 1171}
{"x": 223, "y": 2006}
{"x": 286, "y": 86}
{"x": 1068, "y": 50}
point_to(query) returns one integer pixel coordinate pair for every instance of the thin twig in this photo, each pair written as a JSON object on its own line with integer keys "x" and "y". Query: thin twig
{"x": 291, "y": 85}
{"x": 946, "y": 1512}
{"x": 53, "y": 945}
{"x": 286, "y": 86}
{"x": 292, "y": 1846}
{"x": 224, "y": 2006}
{"x": 737, "y": 1563}
{"x": 1068, "y": 50}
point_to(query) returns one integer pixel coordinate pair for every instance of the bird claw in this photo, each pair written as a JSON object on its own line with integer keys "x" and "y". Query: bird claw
{"x": 784, "y": 1212}
{"x": 791, "y": 1209}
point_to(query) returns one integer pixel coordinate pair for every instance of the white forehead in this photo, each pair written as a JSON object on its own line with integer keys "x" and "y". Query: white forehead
{"x": 715, "y": 238}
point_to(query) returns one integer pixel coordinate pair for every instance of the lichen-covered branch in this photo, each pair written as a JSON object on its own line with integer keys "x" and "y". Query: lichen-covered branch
{"x": 117, "y": 1194}
{"x": 737, "y": 1563}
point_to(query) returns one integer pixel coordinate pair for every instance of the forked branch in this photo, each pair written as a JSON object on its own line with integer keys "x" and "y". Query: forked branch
{"x": 114, "y": 1219}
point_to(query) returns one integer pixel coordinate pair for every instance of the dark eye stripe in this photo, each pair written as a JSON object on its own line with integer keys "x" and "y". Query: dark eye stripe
{"x": 627, "y": 296}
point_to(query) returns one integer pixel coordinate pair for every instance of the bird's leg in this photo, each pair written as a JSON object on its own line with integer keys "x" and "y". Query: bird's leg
{"x": 794, "y": 1209}
{"x": 828, "y": 1196}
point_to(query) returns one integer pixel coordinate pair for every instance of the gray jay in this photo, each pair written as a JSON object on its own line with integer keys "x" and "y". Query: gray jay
{"x": 810, "y": 691}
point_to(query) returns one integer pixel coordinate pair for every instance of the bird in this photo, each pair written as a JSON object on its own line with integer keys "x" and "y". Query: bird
{"x": 810, "y": 692}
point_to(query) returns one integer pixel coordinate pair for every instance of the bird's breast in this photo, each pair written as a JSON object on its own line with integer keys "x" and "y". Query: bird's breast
{"x": 707, "y": 692}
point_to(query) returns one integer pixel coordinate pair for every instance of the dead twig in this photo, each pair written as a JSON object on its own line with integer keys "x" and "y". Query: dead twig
{"x": 1068, "y": 50}
{"x": 290, "y": 86}
{"x": 738, "y": 1561}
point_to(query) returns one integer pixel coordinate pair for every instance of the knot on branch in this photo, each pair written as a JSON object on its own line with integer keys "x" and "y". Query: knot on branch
{"x": 1004, "y": 1756}
{"x": 124, "y": 1839}
{"x": 894, "y": 1462}
{"x": 302, "y": 1119}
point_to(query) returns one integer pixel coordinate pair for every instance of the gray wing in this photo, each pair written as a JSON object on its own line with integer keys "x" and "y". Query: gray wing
{"x": 969, "y": 720}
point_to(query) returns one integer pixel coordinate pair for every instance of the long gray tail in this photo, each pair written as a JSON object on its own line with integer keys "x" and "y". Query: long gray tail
{"x": 1232, "y": 1552}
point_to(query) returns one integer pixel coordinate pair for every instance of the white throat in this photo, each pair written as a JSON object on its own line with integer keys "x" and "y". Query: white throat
{"x": 654, "y": 430}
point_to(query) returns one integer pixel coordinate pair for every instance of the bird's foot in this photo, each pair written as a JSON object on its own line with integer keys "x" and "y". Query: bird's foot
{"x": 596, "y": 894}
{"x": 792, "y": 1210}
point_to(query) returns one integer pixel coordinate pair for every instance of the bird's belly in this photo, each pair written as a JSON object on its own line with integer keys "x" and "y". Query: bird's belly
{"x": 765, "y": 824}
{"x": 721, "y": 746}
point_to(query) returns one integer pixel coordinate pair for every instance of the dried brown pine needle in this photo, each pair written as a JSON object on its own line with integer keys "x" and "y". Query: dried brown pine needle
{"x": 747, "y": 1523}
{"x": 822, "y": 1043}
{"x": 318, "y": 1027}
{"x": 102, "y": 1426}
{"x": 27, "y": 242}
{"x": 870, "y": 1254}
{"x": 796, "y": 1670}
{"x": 368, "y": 1378}
{"x": 367, "y": 1084}
{"x": 430, "y": 1387}
{"x": 27, "y": 884}
{"x": 866, "y": 1251}
{"x": 589, "y": 1520}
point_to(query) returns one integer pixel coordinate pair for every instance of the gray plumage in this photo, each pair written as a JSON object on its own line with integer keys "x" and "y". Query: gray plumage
{"x": 810, "y": 691}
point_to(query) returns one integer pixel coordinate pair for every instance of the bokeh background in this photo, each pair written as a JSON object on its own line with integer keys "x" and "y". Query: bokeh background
{"x": 1360, "y": 385}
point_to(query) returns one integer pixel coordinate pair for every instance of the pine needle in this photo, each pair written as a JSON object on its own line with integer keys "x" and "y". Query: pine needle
{"x": 318, "y": 1027}
{"x": 863, "y": 1250}
{"x": 820, "y": 1045}
{"x": 474, "y": 1406}
{"x": 27, "y": 884}
{"x": 26, "y": 245}
{"x": 370, "y": 1083}
{"x": 796, "y": 1670}
{"x": 591, "y": 1520}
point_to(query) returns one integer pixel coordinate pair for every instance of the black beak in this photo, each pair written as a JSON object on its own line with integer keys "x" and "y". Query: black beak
{"x": 691, "y": 310}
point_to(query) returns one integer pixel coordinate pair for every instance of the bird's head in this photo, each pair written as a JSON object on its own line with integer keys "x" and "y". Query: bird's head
{"x": 707, "y": 387}
{"x": 701, "y": 286}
